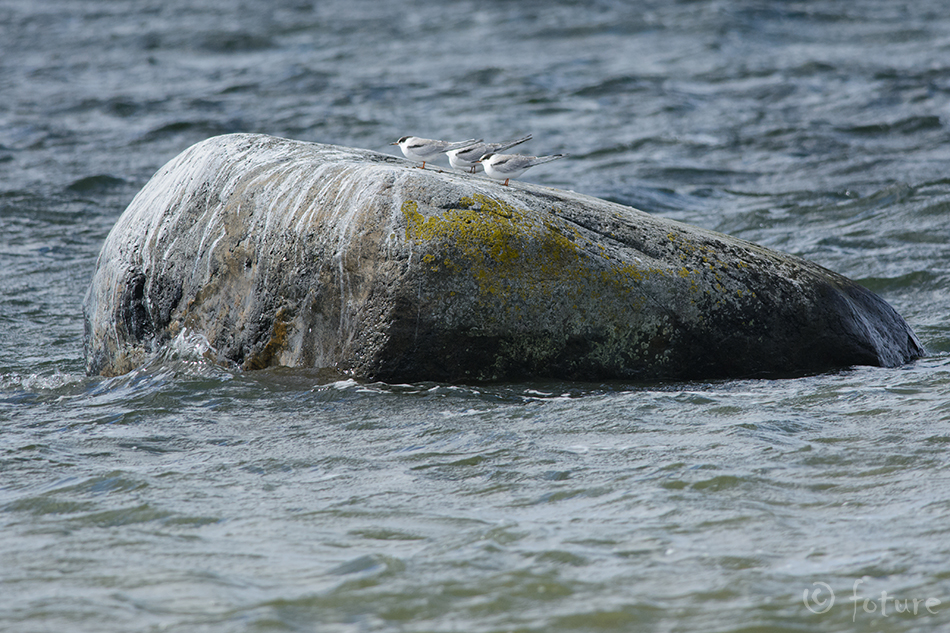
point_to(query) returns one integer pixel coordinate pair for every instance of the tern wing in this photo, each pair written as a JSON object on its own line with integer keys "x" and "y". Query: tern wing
{"x": 507, "y": 163}
{"x": 460, "y": 145}
{"x": 497, "y": 147}
{"x": 473, "y": 152}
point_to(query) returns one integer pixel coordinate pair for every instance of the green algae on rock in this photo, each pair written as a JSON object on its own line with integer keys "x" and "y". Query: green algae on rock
{"x": 280, "y": 252}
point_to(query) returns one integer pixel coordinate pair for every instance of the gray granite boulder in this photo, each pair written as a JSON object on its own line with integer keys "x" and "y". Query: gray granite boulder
{"x": 279, "y": 252}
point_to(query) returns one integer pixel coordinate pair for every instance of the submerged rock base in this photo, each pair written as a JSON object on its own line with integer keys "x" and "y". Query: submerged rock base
{"x": 282, "y": 252}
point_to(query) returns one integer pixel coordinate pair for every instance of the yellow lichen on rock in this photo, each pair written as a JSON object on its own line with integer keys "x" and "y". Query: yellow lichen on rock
{"x": 508, "y": 250}
{"x": 494, "y": 237}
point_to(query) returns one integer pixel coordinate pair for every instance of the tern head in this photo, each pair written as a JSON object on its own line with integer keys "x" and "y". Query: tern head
{"x": 485, "y": 157}
{"x": 401, "y": 141}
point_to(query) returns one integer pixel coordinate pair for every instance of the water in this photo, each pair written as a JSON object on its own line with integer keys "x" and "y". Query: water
{"x": 184, "y": 497}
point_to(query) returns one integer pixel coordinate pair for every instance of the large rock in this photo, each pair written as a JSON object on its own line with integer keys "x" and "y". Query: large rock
{"x": 281, "y": 252}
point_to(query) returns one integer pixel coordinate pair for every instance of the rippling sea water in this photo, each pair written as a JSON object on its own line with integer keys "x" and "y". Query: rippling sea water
{"x": 183, "y": 497}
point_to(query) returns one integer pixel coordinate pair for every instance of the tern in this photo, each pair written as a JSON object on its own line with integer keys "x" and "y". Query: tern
{"x": 424, "y": 149}
{"x": 508, "y": 166}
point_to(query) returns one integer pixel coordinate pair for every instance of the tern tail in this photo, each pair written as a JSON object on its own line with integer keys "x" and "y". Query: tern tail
{"x": 546, "y": 159}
